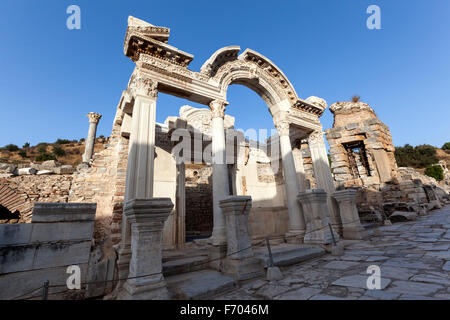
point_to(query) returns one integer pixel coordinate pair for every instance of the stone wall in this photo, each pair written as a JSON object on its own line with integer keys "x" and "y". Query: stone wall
{"x": 19, "y": 193}
{"x": 60, "y": 235}
{"x": 361, "y": 149}
{"x": 199, "y": 204}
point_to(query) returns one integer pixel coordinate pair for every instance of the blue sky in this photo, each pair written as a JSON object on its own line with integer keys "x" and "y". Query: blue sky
{"x": 51, "y": 76}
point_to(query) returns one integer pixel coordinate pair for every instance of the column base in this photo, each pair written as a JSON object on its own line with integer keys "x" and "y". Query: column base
{"x": 321, "y": 237}
{"x": 217, "y": 254}
{"x": 295, "y": 237}
{"x": 355, "y": 233}
{"x": 243, "y": 269}
{"x": 219, "y": 236}
{"x": 145, "y": 289}
{"x": 123, "y": 265}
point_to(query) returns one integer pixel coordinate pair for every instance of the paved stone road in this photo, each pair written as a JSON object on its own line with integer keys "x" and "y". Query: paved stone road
{"x": 414, "y": 258}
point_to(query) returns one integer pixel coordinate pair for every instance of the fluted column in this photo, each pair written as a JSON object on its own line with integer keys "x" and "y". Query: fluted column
{"x": 322, "y": 173}
{"x": 94, "y": 118}
{"x": 296, "y": 219}
{"x": 219, "y": 170}
{"x": 141, "y": 155}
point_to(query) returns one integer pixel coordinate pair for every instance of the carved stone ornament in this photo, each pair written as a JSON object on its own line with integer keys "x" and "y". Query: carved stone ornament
{"x": 282, "y": 128}
{"x": 218, "y": 108}
{"x": 316, "y": 138}
{"x": 94, "y": 117}
{"x": 143, "y": 86}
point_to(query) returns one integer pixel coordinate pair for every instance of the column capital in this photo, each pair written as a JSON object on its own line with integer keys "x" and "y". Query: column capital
{"x": 94, "y": 117}
{"x": 217, "y": 108}
{"x": 316, "y": 137}
{"x": 142, "y": 85}
{"x": 282, "y": 127}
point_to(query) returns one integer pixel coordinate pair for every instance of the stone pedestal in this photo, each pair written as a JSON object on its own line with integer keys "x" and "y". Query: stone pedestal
{"x": 316, "y": 211}
{"x": 240, "y": 261}
{"x": 94, "y": 118}
{"x": 352, "y": 228}
{"x": 145, "y": 279}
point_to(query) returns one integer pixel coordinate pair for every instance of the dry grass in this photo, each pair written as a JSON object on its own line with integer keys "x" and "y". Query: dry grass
{"x": 74, "y": 153}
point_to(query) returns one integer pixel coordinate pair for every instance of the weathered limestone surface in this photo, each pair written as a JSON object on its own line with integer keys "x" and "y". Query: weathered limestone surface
{"x": 59, "y": 235}
{"x": 352, "y": 228}
{"x": 315, "y": 207}
{"x": 357, "y": 126}
{"x": 240, "y": 261}
{"x": 94, "y": 118}
{"x": 146, "y": 218}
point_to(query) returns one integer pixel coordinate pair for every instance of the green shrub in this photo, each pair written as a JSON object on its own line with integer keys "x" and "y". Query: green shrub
{"x": 42, "y": 148}
{"x": 82, "y": 140}
{"x": 23, "y": 153}
{"x": 45, "y": 156}
{"x": 63, "y": 141}
{"x": 419, "y": 157}
{"x": 26, "y": 145}
{"x": 12, "y": 147}
{"x": 58, "y": 151}
{"x": 436, "y": 172}
{"x": 446, "y": 146}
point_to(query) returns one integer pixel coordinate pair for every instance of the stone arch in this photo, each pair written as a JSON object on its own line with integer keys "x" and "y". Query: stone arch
{"x": 255, "y": 71}
{"x": 16, "y": 201}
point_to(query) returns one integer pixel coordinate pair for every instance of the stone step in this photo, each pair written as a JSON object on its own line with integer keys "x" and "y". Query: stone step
{"x": 198, "y": 285}
{"x": 184, "y": 265}
{"x": 286, "y": 256}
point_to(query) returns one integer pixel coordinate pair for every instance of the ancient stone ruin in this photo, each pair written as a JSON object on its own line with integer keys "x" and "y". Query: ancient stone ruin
{"x": 192, "y": 201}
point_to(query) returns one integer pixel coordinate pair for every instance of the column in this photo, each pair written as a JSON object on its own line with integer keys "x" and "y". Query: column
{"x": 352, "y": 228}
{"x": 240, "y": 262}
{"x": 219, "y": 170}
{"x": 322, "y": 173}
{"x": 181, "y": 205}
{"x": 296, "y": 219}
{"x": 141, "y": 155}
{"x": 146, "y": 217}
{"x": 94, "y": 118}
{"x": 298, "y": 159}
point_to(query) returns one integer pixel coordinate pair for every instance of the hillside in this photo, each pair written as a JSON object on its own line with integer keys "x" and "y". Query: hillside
{"x": 72, "y": 152}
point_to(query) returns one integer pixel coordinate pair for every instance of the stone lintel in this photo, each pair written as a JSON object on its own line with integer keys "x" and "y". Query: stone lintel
{"x": 44, "y": 212}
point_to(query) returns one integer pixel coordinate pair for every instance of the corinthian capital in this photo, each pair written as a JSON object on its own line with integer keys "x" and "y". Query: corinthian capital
{"x": 94, "y": 117}
{"x": 218, "y": 108}
{"x": 141, "y": 85}
{"x": 315, "y": 138}
{"x": 282, "y": 127}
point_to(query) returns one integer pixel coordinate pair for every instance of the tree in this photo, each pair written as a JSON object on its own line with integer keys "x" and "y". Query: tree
{"x": 26, "y": 145}
{"x": 11, "y": 147}
{"x": 58, "y": 151}
{"x": 435, "y": 172}
{"x": 63, "y": 141}
{"x": 45, "y": 156}
{"x": 42, "y": 148}
{"x": 418, "y": 157}
{"x": 446, "y": 146}
{"x": 23, "y": 153}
